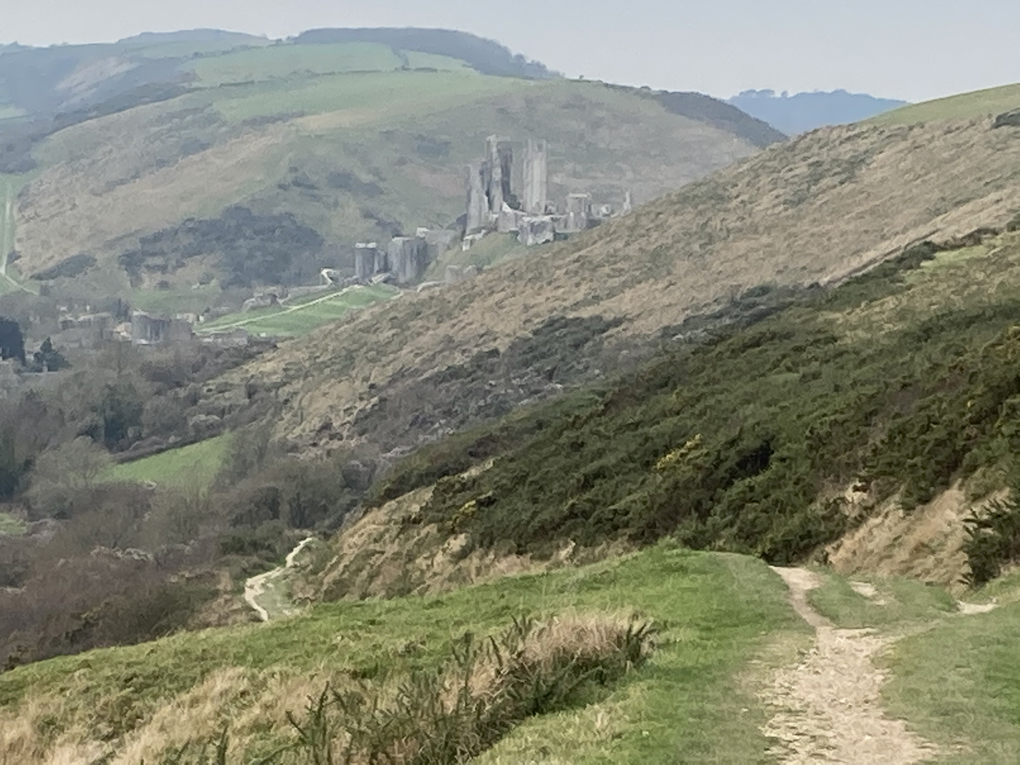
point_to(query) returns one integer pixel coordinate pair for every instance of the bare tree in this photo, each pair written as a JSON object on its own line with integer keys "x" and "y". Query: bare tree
{"x": 65, "y": 475}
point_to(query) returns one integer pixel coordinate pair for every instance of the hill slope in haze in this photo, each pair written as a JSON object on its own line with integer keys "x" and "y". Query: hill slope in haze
{"x": 326, "y": 143}
{"x": 966, "y": 106}
{"x": 815, "y": 210}
{"x": 802, "y": 112}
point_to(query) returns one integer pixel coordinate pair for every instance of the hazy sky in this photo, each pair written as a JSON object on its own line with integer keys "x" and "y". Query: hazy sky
{"x": 910, "y": 49}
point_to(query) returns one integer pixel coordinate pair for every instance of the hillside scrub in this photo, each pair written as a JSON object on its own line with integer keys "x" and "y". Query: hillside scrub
{"x": 898, "y": 382}
{"x": 781, "y": 218}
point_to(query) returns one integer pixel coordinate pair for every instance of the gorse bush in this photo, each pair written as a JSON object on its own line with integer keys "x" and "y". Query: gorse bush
{"x": 903, "y": 380}
{"x": 993, "y": 540}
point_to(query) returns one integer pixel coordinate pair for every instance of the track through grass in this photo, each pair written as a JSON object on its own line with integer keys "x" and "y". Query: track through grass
{"x": 954, "y": 676}
{"x": 686, "y": 705}
{"x": 304, "y": 315}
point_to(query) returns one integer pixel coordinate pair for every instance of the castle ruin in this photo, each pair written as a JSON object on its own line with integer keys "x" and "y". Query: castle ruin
{"x": 147, "y": 329}
{"x": 536, "y": 177}
{"x": 492, "y": 205}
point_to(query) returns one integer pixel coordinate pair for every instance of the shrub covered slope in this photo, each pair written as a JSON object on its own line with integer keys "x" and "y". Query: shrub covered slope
{"x": 901, "y": 381}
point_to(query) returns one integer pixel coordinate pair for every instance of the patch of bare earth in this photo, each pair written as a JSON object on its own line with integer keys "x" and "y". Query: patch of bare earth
{"x": 925, "y": 543}
{"x": 828, "y": 707}
{"x": 390, "y": 551}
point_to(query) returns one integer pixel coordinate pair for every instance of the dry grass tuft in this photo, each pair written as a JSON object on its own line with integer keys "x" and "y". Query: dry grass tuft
{"x": 485, "y": 691}
{"x": 195, "y": 715}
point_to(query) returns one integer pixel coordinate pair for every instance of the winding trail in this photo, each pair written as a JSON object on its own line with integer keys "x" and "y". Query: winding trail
{"x": 263, "y": 592}
{"x": 828, "y": 708}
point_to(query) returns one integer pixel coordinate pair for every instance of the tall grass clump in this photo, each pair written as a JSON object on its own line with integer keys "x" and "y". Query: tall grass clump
{"x": 485, "y": 690}
{"x": 481, "y": 692}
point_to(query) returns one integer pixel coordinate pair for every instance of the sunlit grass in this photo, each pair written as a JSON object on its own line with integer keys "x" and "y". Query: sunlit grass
{"x": 688, "y": 704}
{"x": 192, "y": 465}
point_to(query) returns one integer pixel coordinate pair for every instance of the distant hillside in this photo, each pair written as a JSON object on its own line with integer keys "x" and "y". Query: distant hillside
{"x": 265, "y": 165}
{"x": 806, "y": 111}
{"x": 814, "y": 210}
{"x": 704, "y": 108}
{"x": 485, "y": 56}
{"x": 975, "y": 105}
{"x": 193, "y": 36}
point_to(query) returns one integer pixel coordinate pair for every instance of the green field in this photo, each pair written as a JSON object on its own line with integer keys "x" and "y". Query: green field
{"x": 195, "y": 464}
{"x": 367, "y": 98}
{"x": 688, "y": 704}
{"x": 284, "y": 61}
{"x": 179, "y": 300}
{"x": 304, "y": 315}
{"x": 186, "y": 48}
{"x": 418, "y": 60}
{"x": 981, "y": 103}
{"x": 11, "y": 526}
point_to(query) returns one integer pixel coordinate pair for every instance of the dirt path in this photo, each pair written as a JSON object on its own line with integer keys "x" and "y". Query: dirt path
{"x": 828, "y": 708}
{"x": 264, "y": 593}
{"x": 7, "y": 243}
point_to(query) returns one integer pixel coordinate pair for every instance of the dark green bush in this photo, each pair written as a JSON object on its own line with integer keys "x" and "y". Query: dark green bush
{"x": 993, "y": 540}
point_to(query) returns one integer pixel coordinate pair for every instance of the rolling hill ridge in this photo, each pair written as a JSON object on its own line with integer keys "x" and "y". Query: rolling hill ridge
{"x": 335, "y": 137}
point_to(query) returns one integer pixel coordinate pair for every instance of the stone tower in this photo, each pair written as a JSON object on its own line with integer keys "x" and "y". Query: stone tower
{"x": 477, "y": 200}
{"x": 497, "y": 173}
{"x": 536, "y": 177}
{"x": 366, "y": 256}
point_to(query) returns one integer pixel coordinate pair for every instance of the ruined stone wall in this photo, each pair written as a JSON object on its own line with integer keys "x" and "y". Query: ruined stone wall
{"x": 158, "y": 330}
{"x": 409, "y": 257}
{"x": 477, "y": 200}
{"x": 365, "y": 259}
{"x": 578, "y": 216}
{"x": 536, "y": 177}
{"x": 537, "y": 230}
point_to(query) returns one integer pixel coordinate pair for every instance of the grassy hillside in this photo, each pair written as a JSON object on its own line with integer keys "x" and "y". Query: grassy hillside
{"x": 967, "y": 106}
{"x": 301, "y": 316}
{"x": 256, "y": 65}
{"x": 352, "y": 139}
{"x": 815, "y": 210}
{"x": 190, "y": 466}
{"x": 715, "y": 613}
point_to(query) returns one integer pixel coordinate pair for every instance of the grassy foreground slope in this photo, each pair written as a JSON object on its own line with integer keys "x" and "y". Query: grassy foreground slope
{"x": 692, "y": 701}
{"x": 817, "y": 209}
